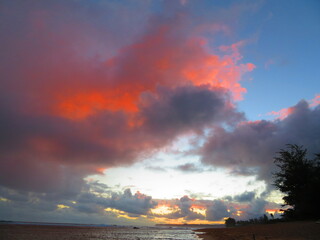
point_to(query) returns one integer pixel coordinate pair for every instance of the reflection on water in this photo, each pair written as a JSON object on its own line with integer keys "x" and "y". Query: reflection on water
{"x": 28, "y": 232}
{"x": 151, "y": 233}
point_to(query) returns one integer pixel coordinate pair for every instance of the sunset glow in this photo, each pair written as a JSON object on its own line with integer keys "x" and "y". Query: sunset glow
{"x": 163, "y": 210}
{"x": 146, "y": 112}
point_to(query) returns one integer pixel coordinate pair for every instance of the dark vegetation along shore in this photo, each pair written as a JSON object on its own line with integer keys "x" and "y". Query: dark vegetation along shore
{"x": 300, "y": 230}
{"x": 298, "y": 179}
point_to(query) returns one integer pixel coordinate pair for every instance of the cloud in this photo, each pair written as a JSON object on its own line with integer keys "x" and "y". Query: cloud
{"x": 198, "y": 195}
{"x": 88, "y": 208}
{"x": 315, "y": 101}
{"x": 281, "y": 114}
{"x": 90, "y": 204}
{"x": 189, "y": 167}
{"x": 185, "y": 108}
{"x": 182, "y": 208}
{"x": 91, "y": 86}
{"x": 285, "y": 112}
{"x": 138, "y": 203}
{"x": 86, "y": 91}
{"x": 156, "y": 168}
{"x": 88, "y": 86}
{"x": 217, "y": 211}
{"x": 250, "y": 147}
{"x": 185, "y": 205}
{"x": 97, "y": 202}
{"x": 245, "y": 197}
{"x": 135, "y": 204}
{"x": 256, "y": 209}
{"x": 32, "y": 175}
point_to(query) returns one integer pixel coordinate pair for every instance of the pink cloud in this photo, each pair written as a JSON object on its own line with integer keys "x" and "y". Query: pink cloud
{"x": 69, "y": 105}
{"x": 315, "y": 101}
{"x": 281, "y": 114}
{"x": 285, "y": 112}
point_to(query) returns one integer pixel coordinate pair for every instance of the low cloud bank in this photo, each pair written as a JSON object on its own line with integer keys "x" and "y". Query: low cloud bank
{"x": 250, "y": 147}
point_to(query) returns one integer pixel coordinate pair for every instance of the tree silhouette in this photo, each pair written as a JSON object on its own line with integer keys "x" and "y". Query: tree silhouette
{"x": 230, "y": 222}
{"x": 299, "y": 179}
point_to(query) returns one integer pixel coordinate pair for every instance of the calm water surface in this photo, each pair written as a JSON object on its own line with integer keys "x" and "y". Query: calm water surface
{"x": 27, "y": 232}
{"x": 151, "y": 233}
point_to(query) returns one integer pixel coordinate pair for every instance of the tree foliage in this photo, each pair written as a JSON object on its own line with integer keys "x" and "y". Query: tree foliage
{"x": 230, "y": 222}
{"x": 261, "y": 220}
{"x": 299, "y": 179}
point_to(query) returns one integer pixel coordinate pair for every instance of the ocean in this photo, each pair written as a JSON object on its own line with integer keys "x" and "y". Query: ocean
{"x": 52, "y": 232}
{"x": 150, "y": 233}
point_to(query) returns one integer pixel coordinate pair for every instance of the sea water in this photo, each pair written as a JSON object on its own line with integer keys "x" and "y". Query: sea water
{"x": 67, "y": 232}
{"x": 150, "y": 233}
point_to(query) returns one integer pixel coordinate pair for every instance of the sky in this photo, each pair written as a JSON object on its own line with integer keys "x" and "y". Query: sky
{"x": 153, "y": 111}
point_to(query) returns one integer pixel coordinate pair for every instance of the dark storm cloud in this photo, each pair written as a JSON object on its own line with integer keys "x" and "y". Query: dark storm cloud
{"x": 217, "y": 211}
{"x": 186, "y": 211}
{"x": 245, "y": 197}
{"x": 255, "y": 209}
{"x": 251, "y": 146}
{"x": 89, "y": 201}
{"x": 184, "y": 108}
{"x": 88, "y": 208}
{"x": 61, "y": 153}
{"x": 98, "y": 187}
{"x": 137, "y": 203}
{"x": 134, "y": 204}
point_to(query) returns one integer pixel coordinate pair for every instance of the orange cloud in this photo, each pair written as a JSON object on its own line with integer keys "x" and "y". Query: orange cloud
{"x": 283, "y": 113}
{"x": 159, "y": 59}
{"x": 69, "y": 108}
{"x": 82, "y": 105}
{"x": 250, "y": 122}
{"x": 273, "y": 211}
{"x": 219, "y": 71}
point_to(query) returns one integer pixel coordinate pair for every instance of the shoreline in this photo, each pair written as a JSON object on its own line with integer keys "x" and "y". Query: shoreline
{"x": 204, "y": 236}
{"x": 60, "y": 232}
{"x": 281, "y": 231}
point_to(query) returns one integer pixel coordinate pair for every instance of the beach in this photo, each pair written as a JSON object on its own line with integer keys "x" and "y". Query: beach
{"x": 276, "y": 231}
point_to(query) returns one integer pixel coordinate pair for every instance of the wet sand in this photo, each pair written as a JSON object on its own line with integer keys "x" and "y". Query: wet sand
{"x": 276, "y": 231}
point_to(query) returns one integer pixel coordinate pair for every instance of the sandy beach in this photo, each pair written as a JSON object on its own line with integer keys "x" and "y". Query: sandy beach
{"x": 277, "y": 231}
